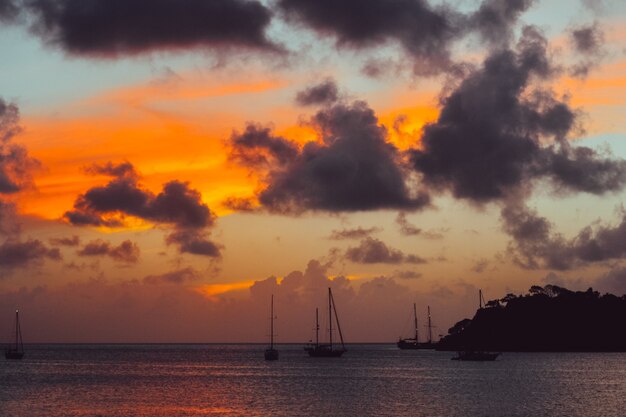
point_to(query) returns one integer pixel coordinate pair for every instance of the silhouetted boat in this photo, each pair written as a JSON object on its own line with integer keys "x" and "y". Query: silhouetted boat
{"x": 16, "y": 351}
{"x": 318, "y": 350}
{"x": 414, "y": 342}
{"x": 476, "y": 355}
{"x": 271, "y": 354}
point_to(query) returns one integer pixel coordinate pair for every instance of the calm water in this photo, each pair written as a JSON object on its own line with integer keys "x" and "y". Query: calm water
{"x": 370, "y": 380}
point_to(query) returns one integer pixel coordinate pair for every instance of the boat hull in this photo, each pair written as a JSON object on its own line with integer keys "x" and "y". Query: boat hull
{"x": 271, "y": 355}
{"x": 13, "y": 354}
{"x": 324, "y": 352}
{"x": 476, "y": 356}
{"x": 407, "y": 344}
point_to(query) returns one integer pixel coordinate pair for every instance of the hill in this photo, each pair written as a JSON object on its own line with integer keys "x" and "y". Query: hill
{"x": 549, "y": 318}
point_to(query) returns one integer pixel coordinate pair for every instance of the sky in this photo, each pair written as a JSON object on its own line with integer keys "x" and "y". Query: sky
{"x": 168, "y": 165}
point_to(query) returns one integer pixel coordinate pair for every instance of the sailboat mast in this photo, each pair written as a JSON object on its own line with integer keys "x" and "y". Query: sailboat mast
{"x": 272, "y": 324}
{"x": 480, "y": 299}
{"x": 17, "y": 329}
{"x": 415, "y": 319}
{"x": 317, "y": 327}
{"x": 330, "y": 318}
{"x": 430, "y": 328}
{"x": 336, "y": 318}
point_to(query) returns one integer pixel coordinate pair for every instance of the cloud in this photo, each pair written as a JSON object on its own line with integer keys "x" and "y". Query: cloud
{"x": 424, "y": 32}
{"x": 15, "y": 163}
{"x": 176, "y": 205}
{"x": 325, "y": 92}
{"x": 65, "y": 241}
{"x": 14, "y": 254}
{"x": 180, "y": 276}
{"x": 351, "y": 168}
{"x": 535, "y": 244}
{"x": 487, "y": 146}
{"x": 357, "y": 233}
{"x": 374, "y": 251}
{"x": 194, "y": 242}
{"x": 256, "y": 147}
{"x": 8, "y": 10}
{"x": 588, "y": 42}
{"x": 127, "y": 251}
{"x": 495, "y": 19}
{"x": 113, "y": 28}
{"x": 406, "y": 228}
{"x": 407, "y": 275}
{"x": 613, "y": 281}
{"x": 587, "y": 39}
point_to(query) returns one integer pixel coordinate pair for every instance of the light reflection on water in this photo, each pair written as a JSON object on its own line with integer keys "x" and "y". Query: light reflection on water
{"x": 370, "y": 380}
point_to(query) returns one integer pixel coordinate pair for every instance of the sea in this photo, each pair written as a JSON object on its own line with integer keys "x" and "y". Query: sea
{"x": 369, "y": 380}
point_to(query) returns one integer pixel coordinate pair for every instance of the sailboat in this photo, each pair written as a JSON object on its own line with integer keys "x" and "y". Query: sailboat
{"x": 410, "y": 343}
{"x": 16, "y": 351}
{"x": 474, "y": 354}
{"x": 429, "y": 344}
{"x": 318, "y": 350}
{"x": 414, "y": 343}
{"x": 271, "y": 354}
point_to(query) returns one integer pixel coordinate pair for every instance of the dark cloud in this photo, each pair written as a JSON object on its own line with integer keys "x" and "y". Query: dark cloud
{"x": 257, "y": 147}
{"x": 112, "y": 28}
{"x": 15, "y": 164}
{"x": 588, "y": 42}
{"x": 357, "y": 233}
{"x": 194, "y": 242}
{"x": 65, "y": 241}
{"x": 8, "y": 10}
{"x": 489, "y": 139}
{"x": 14, "y": 254}
{"x": 176, "y": 205}
{"x": 496, "y": 19}
{"x": 423, "y": 31}
{"x": 126, "y": 251}
{"x": 373, "y": 251}
{"x": 536, "y": 245}
{"x": 123, "y": 169}
{"x": 351, "y": 168}
{"x": 180, "y": 276}
{"x": 587, "y": 39}
{"x": 241, "y": 204}
{"x": 325, "y": 92}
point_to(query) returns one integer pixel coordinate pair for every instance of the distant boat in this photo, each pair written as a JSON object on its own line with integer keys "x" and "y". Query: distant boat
{"x": 410, "y": 343}
{"x": 16, "y": 351}
{"x": 476, "y": 355}
{"x": 414, "y": 343}
{"x": 271, "y": 354}
{"x": 318, "y": 350}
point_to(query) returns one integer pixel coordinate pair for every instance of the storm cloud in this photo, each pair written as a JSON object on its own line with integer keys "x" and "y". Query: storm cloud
{"x": 424, "y": 32}
{"x": 176, "y": 205}
{"x": 110, "y": 28}
{"x": 489, "y": 139}
{"x": 351, "y": 168}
